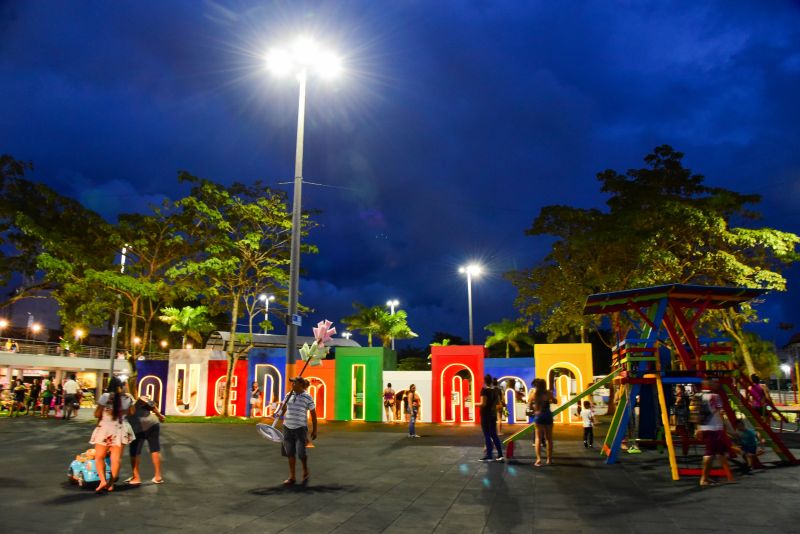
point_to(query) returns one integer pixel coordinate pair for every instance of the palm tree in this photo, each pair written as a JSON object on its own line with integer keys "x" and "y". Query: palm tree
{"x": 366, "y": 321}
{"x": 189, "y": 321}
{"x": 512, "y": 333}
{"x": 394, "y": 326}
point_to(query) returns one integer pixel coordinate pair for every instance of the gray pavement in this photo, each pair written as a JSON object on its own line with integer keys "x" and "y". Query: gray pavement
{"x": 371, "y": 478}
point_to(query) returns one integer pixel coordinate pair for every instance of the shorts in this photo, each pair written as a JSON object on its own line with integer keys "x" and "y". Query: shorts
{"x": 70, "y": 399}
{"x": 151, "y": 436}
{"x": 750, "y": 449}
{"x": 254, "y": 401}
{"x": 715, "y": 441}
{"x": 294, "y": 441}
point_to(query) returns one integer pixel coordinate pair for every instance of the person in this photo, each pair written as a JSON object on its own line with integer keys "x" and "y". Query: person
{"x": 48, "y": 390}
{"x": 296, "y": 407}
{"x": 539, "y": 403}
{"x": 488, "y": 411}
{"x": 758, "y": 397}
{"x": 36, "y": 389}
{"x": 58, "y": 401}
{"x": 749, "y": 441}
{"x": 14, "y": 346}
{"x": 70, "y": 396}
{"x": 8, "y": 345}
{"x": 682, "y": 424}
{"x": 19, "y": 397}
{"x": 587, "y": 416}
{"x": 500, "y": 406}
{"x": 388, "y": 402}
{"x": 146, "y": 423}
{"x": 411, "y": 407}
{"x": 712, "y": 430}
{"x": 112, "y": 431}
{"x": 255, "y": 399}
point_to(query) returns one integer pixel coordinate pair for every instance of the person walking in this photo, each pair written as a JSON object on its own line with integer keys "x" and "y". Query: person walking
{"x": 255, "y": 400}
{"x": 540, "y": 405}
{"x": 48, "y": 390}
{"x": 501, "y": 407}
{"x": 713, "y": 431}
{"x": 146, "y": 423}
{"x": 587, "y": 416}
{"x": 488, "y": 411}
{"x": 411, "y": 407}
{"x": 70, "y": 396}
{"x": 296, "y": 407}
{"x": 18, "y": 401}
{"x": 36, "y": 389}
{"x": 388, "y": 402}
{"x": 112, "y": 431}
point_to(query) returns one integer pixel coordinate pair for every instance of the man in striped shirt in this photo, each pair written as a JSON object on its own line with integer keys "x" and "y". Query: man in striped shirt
{"x": 295, "y": 427}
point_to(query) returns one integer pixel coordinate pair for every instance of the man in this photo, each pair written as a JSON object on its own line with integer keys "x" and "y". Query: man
{"x": 388, "y": 402}
{"x": 295, "y": 427}
{"x": 36, "y": 389}
{"x": 146, "y": 422}
{"x": 713, "y": 431}
{"x": 48, "y": 390}
{"x": 70, "y": 396}
{"x": 488, "y": 410}
{"x": 18, "y": 390}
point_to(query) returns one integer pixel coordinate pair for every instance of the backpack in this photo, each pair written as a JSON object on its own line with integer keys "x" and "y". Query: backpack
{"x": 699, "y": 410}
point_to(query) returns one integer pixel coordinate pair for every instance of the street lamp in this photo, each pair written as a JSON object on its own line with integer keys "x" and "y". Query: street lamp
{"x": 263, "y": 297}
{"x": 79, "y": 333}
{"x": 164, "y": 344}
{"x": 392, "y": 303}
{"x": 302, "y": 57}
{"x": 787, "y": 370}
{"x": 347, "y": 335}
{"x": 3, "y": 324}
{"x": 470, "y": 270}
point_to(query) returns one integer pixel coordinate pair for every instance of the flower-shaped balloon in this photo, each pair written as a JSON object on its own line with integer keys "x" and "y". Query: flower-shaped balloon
{"x": 314, "y": 353}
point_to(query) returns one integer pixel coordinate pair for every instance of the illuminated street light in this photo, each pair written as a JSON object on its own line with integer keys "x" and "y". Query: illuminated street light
{"x": 304, "y": 56}
{"x": 188, "y": 345}
{"x": 787, "y": 371}
{"x": 266, "y": 299}
{"x": 137, "y": 340}
{"x": 36, "y": 328}
{"x": 392, "y": 303}
{"x": 3, "y": 323}
{"x": 347, "y": 335}
{"x": 470, "y": 270}
{"x": 79, "y": 333}
{"x": 164, "y": 344}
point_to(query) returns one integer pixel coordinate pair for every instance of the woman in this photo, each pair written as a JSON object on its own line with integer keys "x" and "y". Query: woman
{"x": 112, "y": 432}
{"x": 255, "y": 399}
{"x": 758, "y": 396}
{"x": 412, "y": 409}
{"x": 539, "y": 403}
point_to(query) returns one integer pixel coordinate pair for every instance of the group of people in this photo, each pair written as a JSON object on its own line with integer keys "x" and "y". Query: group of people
{"x": 10, "y": 346}
{"x": 407, "y": 401}
{"x": 43, "y": 395}
{"x": 121, "y": 421}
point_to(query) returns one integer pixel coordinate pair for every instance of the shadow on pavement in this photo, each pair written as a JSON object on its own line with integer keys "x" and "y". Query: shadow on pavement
{"x": 299, "y": 488}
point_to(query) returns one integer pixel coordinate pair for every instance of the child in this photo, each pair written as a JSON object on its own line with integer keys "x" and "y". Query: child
{"x": 588, "y": 425}
{"x": 749, "y": 442}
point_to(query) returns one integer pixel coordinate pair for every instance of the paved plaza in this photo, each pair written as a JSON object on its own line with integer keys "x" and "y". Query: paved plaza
{"x": 372, "y": 478}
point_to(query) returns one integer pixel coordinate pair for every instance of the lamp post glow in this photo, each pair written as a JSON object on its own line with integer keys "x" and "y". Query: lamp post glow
{"x": 787, "y": 370}
{"x": 470, "y": 270}
{"x": 303, "y": 57}
{"x": 3, "y": 323}
{"x": 392, "y": 303}
{"x": 263, "y": 297}
{"x": 347, "y": 335}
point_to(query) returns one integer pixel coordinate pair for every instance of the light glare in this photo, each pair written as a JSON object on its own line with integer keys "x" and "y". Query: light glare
{"x": 279, "y": 62}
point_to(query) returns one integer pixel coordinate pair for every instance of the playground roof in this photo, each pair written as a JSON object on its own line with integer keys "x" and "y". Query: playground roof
{"x": 713, "y": 297}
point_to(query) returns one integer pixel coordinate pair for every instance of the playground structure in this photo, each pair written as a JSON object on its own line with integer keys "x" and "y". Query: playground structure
{"x": 349, "y": 386}
{"x": 663, "y": 318}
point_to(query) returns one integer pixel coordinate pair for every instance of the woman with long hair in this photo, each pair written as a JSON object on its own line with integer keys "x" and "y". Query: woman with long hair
{"x": 539, "y": 402}
{"x": 112, "y": 431}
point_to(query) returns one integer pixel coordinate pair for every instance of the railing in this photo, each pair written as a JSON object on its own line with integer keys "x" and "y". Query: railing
{"x": 32, "y": 346}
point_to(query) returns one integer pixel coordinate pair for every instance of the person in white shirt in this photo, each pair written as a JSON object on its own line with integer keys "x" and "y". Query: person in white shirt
{"x": 587, "y": 416}
{"x": 295, "y": 427}
{"x": 70, "y": 396}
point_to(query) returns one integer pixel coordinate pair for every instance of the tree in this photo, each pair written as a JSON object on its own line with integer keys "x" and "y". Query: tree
{"x": 245, "y": 235}
{"x": 762, "y": 354}
{"x": 188, "y": 321}
{"x": 394, "y": 326}
{"x": 376, "y": 321}
{"x": 512, "y": 333}
{"x": 663, "y": 225}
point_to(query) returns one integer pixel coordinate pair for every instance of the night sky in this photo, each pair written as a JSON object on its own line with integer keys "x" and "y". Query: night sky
{"x": 453, "y": 123}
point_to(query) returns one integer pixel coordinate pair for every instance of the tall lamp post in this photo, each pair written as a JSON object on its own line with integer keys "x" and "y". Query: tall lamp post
{"x": 392, "y": 304}
{"x": 470, "y": 270}
{"x": 302, "y": 57}
{"x": 787, "y": 370}
{"x": 266, "y": 299}
{"x": 115, "y": 328}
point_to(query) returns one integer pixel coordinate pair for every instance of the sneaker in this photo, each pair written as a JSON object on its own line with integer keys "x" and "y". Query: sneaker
{"x": 415, "y": 436}
{"x": 499, "y": 459}
{"x": 486, "y": 459}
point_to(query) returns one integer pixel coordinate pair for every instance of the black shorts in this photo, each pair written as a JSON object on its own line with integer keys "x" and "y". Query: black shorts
{"x": 294, "y": 441}
{"x": 150, "y": 436}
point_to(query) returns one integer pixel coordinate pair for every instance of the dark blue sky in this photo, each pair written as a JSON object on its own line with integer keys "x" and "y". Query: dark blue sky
{"x": 454, "y": 123}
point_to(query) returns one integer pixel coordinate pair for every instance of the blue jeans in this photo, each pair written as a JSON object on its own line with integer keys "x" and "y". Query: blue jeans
{"x": 412, "y": 429}
{"x": 489, "y": 428}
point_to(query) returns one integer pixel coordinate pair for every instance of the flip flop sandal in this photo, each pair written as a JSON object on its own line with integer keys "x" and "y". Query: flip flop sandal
{"x": 158, "y": 481}
{"x": 289, "y": 482}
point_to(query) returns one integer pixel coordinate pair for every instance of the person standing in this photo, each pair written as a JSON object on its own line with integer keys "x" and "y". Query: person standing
{"x": 18, "y": 401}
{"x": 411, "y": 407}
{"x": 501, "y": 407}
{"x": 488, "y": 410}
{"x": 713, "y": 431}
{"x": 587, "y": 416}
{"x": 388, "y": 402}
{"x": 146, "y": 423}
{"x": 296, "y": 407}
{"x": 543, "y": 417}
{"x": 758, "y": 396}
{"x": 70, "y": 396}
{"x": 255, "y": 399}
{"x": 36, "y": 389}
{"x": 112, "y": 431}
{"x": 48, "y": 390}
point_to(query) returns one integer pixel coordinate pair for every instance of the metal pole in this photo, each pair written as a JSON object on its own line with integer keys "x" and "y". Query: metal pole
{"x": 294, "y": 258}
{"x": 392, "y": 308}
{"x": 115, "y": 328}
{"x": 469, "y": 304}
